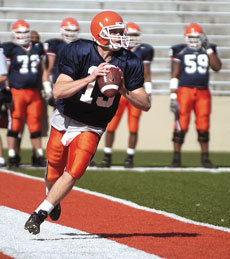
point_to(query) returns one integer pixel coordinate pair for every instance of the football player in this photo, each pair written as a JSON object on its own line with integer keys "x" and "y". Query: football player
{"x": 189, "y": 86}
{"x": 26, "y": 67}
{"x": 83, "y": 112}
{"x": 146, "y": 53}
{"x": 5, "y": 97}
{"x": 69, "y": 31}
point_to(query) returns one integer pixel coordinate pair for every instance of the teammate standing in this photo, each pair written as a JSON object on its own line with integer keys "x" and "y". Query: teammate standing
{"x": 25, "y": 72}
{"x": 5, "y": 97}
{"x": 69, "y": 31}
{"x": 83, "y": 112}
{"x": 189, "y": 89}
{"x": 146, "y": 53}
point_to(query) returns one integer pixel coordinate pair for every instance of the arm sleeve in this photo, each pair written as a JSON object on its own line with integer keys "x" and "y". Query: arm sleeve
{"x": 134, "y": 74}
{"x": 69, "y": 62}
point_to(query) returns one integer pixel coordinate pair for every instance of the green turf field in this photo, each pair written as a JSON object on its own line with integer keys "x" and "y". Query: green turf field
{"x": 200, "y": 196}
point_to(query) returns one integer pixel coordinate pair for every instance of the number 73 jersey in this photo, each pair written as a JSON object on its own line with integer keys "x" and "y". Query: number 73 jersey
{"x": 194, "y": 65}
{"x": 25, "y": 64}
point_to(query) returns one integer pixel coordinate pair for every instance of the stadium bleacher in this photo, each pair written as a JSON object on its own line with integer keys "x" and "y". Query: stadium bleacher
{"x": 162, "y": 24}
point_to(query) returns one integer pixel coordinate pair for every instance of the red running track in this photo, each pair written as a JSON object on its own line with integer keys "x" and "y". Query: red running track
{"x": 147, "y": 231}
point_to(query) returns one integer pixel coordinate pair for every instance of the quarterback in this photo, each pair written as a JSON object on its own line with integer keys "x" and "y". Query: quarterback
{"x": 83, "y": 112}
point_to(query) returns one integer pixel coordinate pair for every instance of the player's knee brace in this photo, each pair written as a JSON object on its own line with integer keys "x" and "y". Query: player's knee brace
{"x": 12, "y": 133}
{"x": 178, "y": 137}
{"x": 37, "y": 134}
{"x": 203, "y": 136}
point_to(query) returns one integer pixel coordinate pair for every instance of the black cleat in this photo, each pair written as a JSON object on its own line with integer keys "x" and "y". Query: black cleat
{"x": 39, "y": 161}
{"x": 106, "y": 162}
{"x": 92, "y": 163}
{"x": 14, "y": 161}
{"x": 128, "y": 162}
{"x": 35, "y": 220}
{"x": 206, "y": 163}
{"x": 56, "y": 212}
{"x": 176, "y": 163}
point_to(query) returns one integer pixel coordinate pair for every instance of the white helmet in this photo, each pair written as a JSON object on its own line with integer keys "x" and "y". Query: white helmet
{"x": 21, "y": 32}
{"x": 69, "y": 29}
{"x": 134, "y": 34}
{"x": 193, "y": 35}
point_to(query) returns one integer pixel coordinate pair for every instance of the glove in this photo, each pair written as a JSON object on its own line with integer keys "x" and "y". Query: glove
{"x": 205, "y": 42}
{"x": 174, "y": 105}
{"x": 47, "y": 91}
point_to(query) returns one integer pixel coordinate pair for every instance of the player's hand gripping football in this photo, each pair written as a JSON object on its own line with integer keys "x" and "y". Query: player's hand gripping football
{"x": 101, "y": 70}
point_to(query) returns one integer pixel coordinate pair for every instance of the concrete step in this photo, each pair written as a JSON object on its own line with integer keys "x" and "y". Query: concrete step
{"x": 171, "y": 39}
{"x": 87, "y": 14}
{"x": 223, "y": 75}
{"x": 125, "y": 5}
{"x": 164, "y": 63}
{"x": 161, "y": 86}
{"x": 154, "y": 40}
{"x": 146, "y": 27}
{"x": 163, "y": 51}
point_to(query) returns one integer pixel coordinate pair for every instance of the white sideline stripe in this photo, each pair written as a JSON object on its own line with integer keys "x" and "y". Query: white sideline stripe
{"x": 148, "y": 169}
{"x": 132, "y": 204}
{"x": 57, "y": 241}
{"x": 164, "y": 169}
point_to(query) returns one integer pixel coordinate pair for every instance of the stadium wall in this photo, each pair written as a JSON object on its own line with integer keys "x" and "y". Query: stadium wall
{"x": 156, "y": 128}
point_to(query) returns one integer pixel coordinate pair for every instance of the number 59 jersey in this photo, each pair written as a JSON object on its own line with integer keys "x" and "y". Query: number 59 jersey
{"x": 194, "y": 65}
{"x": 25, "y": 64}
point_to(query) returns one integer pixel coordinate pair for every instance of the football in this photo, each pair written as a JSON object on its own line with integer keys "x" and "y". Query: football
{"x": 110, "y": 83}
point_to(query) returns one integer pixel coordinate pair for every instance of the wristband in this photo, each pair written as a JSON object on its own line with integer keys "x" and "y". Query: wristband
{"x": 173, "y": 84}
{"x": 148, "y": 87}
{"x": 173, "y": 96}
{"x": 47, "y": 87}
{"x": 209, "y": 51}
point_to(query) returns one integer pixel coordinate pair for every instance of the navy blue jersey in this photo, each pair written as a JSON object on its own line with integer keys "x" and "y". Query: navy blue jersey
{"x": 54, "y": 47}
{"x": 25, "y": 64}
{"x": 89, "y": 105}
{"x": 194, "y": 65}
{"x": 145, "y": 52}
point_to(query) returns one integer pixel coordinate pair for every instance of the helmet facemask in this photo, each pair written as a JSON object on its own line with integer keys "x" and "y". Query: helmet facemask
{"x": 193, "y": 41}
{"x": 114, "y": 40}
{"x": 21, "y": 36}
{"x": 134, "y": 40}
{"x": 69, "y": 33}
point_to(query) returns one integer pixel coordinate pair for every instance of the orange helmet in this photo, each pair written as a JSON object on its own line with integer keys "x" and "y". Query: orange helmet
{"x": 69, "y": 29}
{"x": 193, "y": 35}
{"x": 21, "y": 32}
{"x": 134, "y": 34}
{"x": 109, "y": 30}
